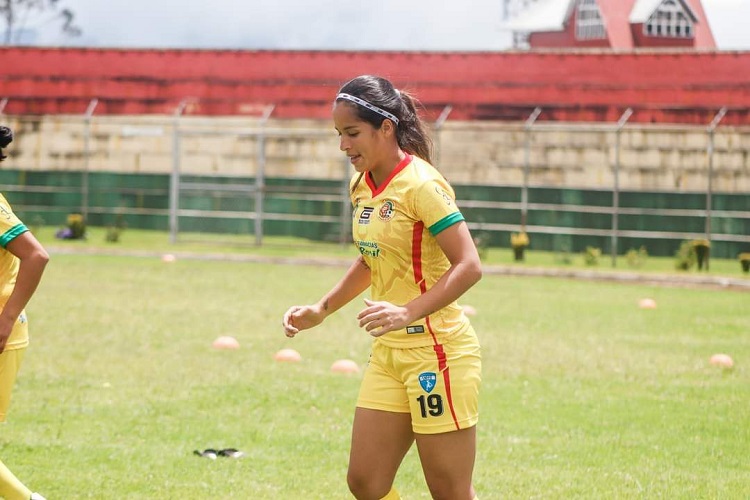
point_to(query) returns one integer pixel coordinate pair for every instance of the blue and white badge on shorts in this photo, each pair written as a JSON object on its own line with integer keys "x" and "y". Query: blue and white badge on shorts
{"x": 427, "y": 380}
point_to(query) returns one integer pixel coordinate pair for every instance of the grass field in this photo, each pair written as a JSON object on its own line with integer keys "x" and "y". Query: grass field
{"x": 584, "y": 394}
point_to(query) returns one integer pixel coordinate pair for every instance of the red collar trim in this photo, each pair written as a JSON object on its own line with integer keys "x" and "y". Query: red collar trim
{"x": 401, "y": 165}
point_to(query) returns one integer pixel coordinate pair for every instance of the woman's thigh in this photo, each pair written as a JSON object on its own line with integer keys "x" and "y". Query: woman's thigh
{"x": 448, "y": 462}
{"x": 380, "y": 440}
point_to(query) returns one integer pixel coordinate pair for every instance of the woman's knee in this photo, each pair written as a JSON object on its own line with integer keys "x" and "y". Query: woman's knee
{"x": 443, "y": 489}
{"x": 364, "y": 486}
{"x": 359, "y": 484}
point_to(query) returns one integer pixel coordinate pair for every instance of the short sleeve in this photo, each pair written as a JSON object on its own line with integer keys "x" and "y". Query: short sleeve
{"x": 435, "y": 205}
{"x": 10, "y": 226}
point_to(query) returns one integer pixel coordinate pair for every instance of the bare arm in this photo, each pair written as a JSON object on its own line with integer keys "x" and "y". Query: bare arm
{"x": 33, "y": 259}
{"x": 355, "y": 281}
{"x": 464, "y": 272}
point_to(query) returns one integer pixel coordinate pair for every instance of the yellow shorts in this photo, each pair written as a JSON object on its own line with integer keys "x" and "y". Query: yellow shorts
{"x": 438, "y": 385}
{"x": 10, "y": 363}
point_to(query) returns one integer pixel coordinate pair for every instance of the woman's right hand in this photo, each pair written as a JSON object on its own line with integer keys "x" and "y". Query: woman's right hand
{"x": 299, "y": 318}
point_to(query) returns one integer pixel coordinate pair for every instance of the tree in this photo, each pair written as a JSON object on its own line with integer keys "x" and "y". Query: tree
{"x": 17, "y": 13}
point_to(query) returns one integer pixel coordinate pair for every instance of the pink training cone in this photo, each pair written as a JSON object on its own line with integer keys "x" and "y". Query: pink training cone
{"x": 647, "y": 304}
{"x": 345, "y": 366}
{"x": 722, "y": 360}
{"x": 226, "y": 342}
{"x": 289, "y": 355}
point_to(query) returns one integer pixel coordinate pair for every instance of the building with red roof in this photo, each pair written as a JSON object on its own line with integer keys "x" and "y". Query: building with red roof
{"x": 614, "y": 24}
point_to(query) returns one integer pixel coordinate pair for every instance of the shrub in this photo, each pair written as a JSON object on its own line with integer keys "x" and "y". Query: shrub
{"x": 519, "y": 242}
{"x": 591, "y": 256}
{"x": 701, "y": 248}
{"x": 75, "y": 229}
{"x": 744, "y": 259}
{"x": 685, "y": 257}
{"x": 115, "y": 230}
{"x": 636, "y": 258}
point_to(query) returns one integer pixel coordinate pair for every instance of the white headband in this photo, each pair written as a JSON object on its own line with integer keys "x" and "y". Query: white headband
{"x": 369, "y": 106}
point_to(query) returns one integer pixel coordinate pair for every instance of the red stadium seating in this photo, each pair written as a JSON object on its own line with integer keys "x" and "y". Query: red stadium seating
{"x": 661, "y": 86}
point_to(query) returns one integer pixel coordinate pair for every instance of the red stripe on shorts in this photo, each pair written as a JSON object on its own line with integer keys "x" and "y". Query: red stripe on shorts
{"x": 416, "y": 261}
{"x": 443, "y": 367}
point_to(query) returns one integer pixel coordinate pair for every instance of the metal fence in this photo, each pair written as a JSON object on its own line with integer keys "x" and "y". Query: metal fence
{"x": 184, "y": 188}
{"x": 258, "y": 185}
{"x": 662, "y": 214}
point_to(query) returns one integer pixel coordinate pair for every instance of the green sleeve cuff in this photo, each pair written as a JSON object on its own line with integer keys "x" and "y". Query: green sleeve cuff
{"x": 11, "y": 234}
{"x": 445, "y": 222}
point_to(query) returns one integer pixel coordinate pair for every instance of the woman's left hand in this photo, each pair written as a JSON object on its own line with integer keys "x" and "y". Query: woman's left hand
{"x": 379, "y": 318}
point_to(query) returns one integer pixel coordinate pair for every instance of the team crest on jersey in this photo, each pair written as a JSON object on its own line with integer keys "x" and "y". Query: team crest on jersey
{"x": 364, "y": 216}
{"x": 445, "y": 196}
{"x": 427, "y": 380}
{"x": 386, "y": 211}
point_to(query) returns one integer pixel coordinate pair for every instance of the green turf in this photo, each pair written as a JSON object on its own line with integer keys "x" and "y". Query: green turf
{"x": 584, "y": 395}
{"x": 136, "y": 240}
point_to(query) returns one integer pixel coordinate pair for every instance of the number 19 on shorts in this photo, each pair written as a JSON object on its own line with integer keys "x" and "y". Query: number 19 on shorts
{"x": 431, "y": 404}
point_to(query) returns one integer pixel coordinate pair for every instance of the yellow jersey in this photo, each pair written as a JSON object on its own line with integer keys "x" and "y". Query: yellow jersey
{"x": 10, "y": 228}
{"x": 394, "y": 227}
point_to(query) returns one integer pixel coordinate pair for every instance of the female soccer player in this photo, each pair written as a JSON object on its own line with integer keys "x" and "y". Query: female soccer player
{"x": 22, "y": 262}
{"x": 417, "y": 258}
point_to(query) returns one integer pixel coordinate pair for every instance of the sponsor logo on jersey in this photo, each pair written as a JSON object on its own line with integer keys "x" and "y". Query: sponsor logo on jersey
{"x": 448, "y": 200}
{"x": 415, "y": 329}
{"x": 364, "y": 216}
{"x": 386, "y": 211}
{"x": 368, "y": 248}
{"x": 427, "y": 380}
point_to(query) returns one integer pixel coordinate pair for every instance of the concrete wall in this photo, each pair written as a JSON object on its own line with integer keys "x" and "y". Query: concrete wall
{"x": 576, "y": 156}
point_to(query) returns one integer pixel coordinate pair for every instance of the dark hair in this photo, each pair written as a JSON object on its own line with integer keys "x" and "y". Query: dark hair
{"x": 411, "y": 132}
{"x": 6, "y": 137}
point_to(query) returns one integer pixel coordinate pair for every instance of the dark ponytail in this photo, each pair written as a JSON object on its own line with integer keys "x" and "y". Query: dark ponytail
{"x": 6, "y": 137}
{"x": 411, "y": 131}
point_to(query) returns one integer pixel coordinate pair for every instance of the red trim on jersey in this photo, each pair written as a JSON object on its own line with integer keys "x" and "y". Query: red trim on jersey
{"x": 416, "y": 255}
{"x": 379, "y": 189}
{"x": 443, "y": 367}
{"x": 416, "y": 263}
